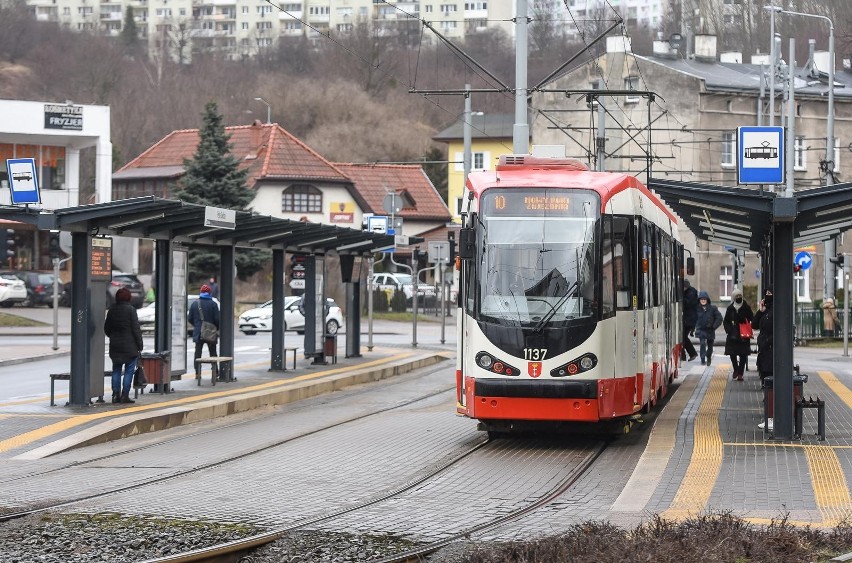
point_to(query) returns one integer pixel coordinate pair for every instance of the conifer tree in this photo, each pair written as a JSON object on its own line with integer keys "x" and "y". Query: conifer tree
{"x": 129, "y": 32}
{"x": 213, "y": 177}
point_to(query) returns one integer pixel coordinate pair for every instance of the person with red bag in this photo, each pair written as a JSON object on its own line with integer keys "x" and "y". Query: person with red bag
{"x": 737, "y": 323}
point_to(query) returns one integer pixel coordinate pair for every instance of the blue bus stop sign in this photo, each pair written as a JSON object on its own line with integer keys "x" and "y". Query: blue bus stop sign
{"x": 761, "y": 155}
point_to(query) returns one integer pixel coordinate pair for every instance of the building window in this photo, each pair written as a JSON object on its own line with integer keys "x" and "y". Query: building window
{"x": 726, "y": 283}
{"x": 478, "y": 162}
{"x": 631, "y": 83}
{"x": 301, "y": 198}
{"x": 459, "y": 205}
{"x": 728, "y": 149}
{"x": 800, "y": 161}
{"x": 801, "y": 281}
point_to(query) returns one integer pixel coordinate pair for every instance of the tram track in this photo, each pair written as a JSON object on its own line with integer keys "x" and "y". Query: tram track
{"x": 9, "y": 516}
{"x": 232, "y": 551}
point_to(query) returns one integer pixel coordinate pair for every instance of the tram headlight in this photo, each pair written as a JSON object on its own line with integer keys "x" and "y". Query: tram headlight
{"x": 576, "y": 366}
{"x": 485, "y": 361}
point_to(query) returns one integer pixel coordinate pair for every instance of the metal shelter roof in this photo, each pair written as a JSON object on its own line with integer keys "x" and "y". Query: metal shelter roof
{"x": 742, "y": 217}
{"x": 156, "y": 218}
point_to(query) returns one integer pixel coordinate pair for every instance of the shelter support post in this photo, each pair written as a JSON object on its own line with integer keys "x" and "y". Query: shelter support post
{"x": 227, "y": 273}
{"x": 784, "y": 213}
{"x": 163, "y": 296}
{"x": 277, "y": 359}
{"x": 81, "y": 333}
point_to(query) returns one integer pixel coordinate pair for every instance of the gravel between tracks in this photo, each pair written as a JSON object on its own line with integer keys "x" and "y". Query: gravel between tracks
{"x": 72, "y": 538}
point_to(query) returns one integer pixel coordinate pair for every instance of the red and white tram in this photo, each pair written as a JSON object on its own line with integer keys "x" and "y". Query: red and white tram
{"x": 570, "y": 290}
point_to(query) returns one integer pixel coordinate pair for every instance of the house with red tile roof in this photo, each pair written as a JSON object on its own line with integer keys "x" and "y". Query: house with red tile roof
{"x": 291, "y": 180}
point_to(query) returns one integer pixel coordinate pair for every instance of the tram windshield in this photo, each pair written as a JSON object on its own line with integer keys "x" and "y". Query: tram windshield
{"x": 537, "y": 265}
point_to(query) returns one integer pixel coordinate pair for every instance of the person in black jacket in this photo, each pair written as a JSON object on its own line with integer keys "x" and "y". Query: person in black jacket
{"x": 763, "y": 322}
{"x": 125, "y": 344}
{"x": 203, "y": 309}
{"x": 737, "y": 347}
{"x": 708, "y": 319}
{"x": 690, "y": 313}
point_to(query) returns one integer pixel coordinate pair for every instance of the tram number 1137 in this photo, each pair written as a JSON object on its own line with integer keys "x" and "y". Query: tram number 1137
{"x": 535, "y": 354}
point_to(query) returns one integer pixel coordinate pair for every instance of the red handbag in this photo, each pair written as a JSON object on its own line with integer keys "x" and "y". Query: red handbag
{"x": 746, "y": 330}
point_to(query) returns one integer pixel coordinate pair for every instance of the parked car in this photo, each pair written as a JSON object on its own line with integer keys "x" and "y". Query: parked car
{"x": 131, "y": 282}
{"x": 12, "y": 290}
{"x": 392, "y": 281}
{"x": 147, "y": 315}
{"x": 39, "y": 286}
{"x": 259, "y": 319}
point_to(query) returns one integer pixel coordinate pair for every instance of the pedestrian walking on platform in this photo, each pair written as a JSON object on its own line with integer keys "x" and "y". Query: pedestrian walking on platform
{"x": 763, "y": 322}
{"x": 125, "y": 344}
{"x": 690, "y": 312}
{"x": 737, "y": 323}
{"x": 707, "y": 320}
{"x": 829, "y": 317}
{"x": 203, "y": 310}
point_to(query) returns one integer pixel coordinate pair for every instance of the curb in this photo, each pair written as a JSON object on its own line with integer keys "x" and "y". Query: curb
{"x": 171, "y": 417}
{"x": 27, "y": 359}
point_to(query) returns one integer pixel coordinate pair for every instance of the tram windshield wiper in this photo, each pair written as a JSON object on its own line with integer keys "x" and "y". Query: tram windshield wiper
{"x": 549, "y": 315}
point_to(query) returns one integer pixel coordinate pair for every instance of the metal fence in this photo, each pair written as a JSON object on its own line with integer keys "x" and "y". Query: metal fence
{"x": 809, "y": 323}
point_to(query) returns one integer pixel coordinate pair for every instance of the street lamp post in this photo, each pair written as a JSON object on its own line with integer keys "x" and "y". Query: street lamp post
{"x": 830, "y": 248}
{"x": 773, "y": 57}
{"x": 268, "y": 109}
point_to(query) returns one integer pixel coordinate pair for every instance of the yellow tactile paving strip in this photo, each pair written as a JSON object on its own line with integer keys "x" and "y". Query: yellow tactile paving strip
{"x": 831, "y": 490}
{"x": 708, "y": 451}
{"x": 74, "y": 421}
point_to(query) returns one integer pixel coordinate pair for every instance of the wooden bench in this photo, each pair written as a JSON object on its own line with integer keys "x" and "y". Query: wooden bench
{"x": 215, "y": 363}
{"x": 66, "y": 376}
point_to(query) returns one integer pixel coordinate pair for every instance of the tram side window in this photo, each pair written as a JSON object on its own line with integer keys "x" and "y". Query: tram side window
{"x": 647, "y": 261}
{"x": 623, "y": 262}
{"x": 607, "y": 268}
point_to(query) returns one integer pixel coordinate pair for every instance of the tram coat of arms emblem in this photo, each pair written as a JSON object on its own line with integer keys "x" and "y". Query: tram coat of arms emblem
{"x": 534, "y": 369}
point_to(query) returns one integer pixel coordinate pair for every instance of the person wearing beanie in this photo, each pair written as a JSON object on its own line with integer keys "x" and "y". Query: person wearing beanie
{"x": 125, "y": 344}
{"x": 763, "y": 322}
{"x": 707, "y": 321}
{"x": 204, "y": 309}
{"x": 737, "y": 347}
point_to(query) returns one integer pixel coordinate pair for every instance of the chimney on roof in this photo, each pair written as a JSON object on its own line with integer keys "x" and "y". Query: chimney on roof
{"x": 663, "y": 50}
{"x": 705, "y": 48}
{"x": 618, "y": 44}
{"x": 731, "y": 57}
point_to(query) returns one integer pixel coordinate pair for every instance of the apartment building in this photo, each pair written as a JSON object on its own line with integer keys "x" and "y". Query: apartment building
{"x": 244, "y": 28}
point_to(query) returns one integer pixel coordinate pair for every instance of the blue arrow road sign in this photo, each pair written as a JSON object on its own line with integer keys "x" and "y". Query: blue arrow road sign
{"x": 803, "y": 260}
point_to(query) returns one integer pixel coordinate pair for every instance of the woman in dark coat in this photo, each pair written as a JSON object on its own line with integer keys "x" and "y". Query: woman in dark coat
{"x": 763, "y": 322}
{"x": 125, "y": 344}
{"x": 736, "y": 347}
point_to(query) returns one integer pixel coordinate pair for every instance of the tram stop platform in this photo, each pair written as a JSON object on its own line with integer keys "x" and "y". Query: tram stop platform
{"x": 32, "y": 429}
{"x": 708, "y": 453}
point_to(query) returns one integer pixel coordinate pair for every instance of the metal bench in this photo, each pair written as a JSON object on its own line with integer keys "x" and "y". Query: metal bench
{"x": 66, "y": 376}
{"x": 215, "y": 363}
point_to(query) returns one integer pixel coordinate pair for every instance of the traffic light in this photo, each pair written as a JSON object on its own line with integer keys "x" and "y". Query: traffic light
{"x": 837, "y": 260}
{"x": 53, "y": 245}
{"x": 7, "y": 246}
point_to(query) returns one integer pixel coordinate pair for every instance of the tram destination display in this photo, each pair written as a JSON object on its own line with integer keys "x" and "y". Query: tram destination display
{"x": 538, "y": 202}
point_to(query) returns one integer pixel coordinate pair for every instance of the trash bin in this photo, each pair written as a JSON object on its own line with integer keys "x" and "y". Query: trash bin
{"x": 330, "y": 347}
{"x": 769, "y": 393}
{"x": 157, "y": 369}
